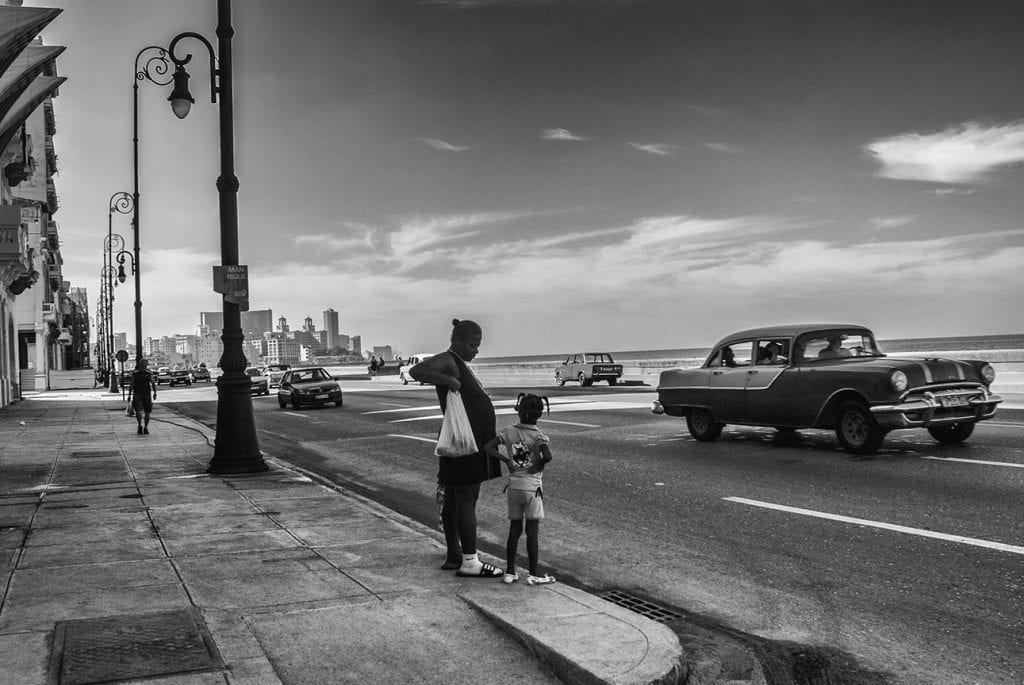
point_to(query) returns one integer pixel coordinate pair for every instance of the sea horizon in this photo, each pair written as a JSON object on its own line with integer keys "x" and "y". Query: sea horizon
{"x": 1014, "y": 341}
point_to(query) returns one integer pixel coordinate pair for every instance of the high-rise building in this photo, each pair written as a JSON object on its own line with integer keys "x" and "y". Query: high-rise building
{"x": 255, "y": 322}
{"x": 357, "y": 345}
{"x": 331, "y": 328}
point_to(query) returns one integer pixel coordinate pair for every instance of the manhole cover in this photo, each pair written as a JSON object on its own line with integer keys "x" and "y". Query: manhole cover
{"x": 96, "y": 453}
{"x": 640, "y": 606}
{"x": 116, "y": 648}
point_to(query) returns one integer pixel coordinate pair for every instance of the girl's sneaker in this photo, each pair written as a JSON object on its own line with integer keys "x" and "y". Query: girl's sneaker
{"x": 539, "y": 580}
{"x": 509, "y": 578}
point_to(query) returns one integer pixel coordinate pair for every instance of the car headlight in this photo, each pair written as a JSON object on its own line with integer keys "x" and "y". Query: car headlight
{"x": 898, "y": 381}
{"x": 988, "y": 374}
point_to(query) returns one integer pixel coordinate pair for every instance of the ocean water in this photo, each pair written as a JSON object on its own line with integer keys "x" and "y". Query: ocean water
{"x": 1008, "y": 343}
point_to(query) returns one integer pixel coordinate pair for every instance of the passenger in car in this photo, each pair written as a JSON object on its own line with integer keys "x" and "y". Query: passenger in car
{"x": 835, "y": 348}
{"x": 728, "y": 357}
{"x": 770, "y": 353}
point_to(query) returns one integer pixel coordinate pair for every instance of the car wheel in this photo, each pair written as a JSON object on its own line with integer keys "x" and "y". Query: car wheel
{"x": 950, "y": 435}
{"x": 295, "y": 403}
{"x": 611, "y": 382}
{"x": 583, "y": 380}
{"x": 559, "y": 381}
{"x": 702, "y": 426}
{"x": 405, "y": 381}
{"x": 857, "y": 430}
{"x": 281, "y": 403}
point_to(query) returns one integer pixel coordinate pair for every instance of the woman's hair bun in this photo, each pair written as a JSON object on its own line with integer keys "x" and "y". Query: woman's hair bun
{"x": 455, "y": 322}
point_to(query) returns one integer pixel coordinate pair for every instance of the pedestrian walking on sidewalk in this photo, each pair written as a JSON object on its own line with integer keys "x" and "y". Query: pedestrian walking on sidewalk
{"x": 462, "y": 476}
{"x": 527, "y": 451}
{"x": 139, "y": 397}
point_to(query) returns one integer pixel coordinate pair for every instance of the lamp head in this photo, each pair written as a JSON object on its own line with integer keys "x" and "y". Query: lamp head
{"x": 121, "y": 275}
{"x": 181, "y": 99}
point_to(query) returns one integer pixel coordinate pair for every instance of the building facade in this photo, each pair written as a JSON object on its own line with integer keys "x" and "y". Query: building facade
{"x": 39, "y": 317}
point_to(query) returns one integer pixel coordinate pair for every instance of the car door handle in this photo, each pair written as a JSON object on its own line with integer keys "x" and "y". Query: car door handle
{"x": 752, "y": 372}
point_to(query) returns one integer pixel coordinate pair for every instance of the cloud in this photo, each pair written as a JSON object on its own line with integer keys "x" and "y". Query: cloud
{"x": 439, "y": 144}
{"x": 560, "y": 134}
{"x": 887, "y": 222}
{"x": 724, "y": 147}
{"x": 659, "y": 149}
{"x": 962, "y": 155}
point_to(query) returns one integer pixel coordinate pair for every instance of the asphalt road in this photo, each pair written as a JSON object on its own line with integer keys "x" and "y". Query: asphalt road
{"x": 911, "y": 560}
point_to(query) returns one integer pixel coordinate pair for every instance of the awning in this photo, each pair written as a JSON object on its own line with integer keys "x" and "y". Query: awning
{"x": 33, "y": 96}
{"x": 18, "y": 26}
{"x": 20, "y": 75}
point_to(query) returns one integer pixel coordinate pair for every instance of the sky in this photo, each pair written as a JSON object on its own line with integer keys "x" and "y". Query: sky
{"x": 599, "y": 174}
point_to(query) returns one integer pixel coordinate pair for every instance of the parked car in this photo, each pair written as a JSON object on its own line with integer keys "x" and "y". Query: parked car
{"x": 201, "y": 374}
{"x": 179, "y": 377}
{"x": 258, "y": 383}
{"x": 830, "y": 376}
{"x": 275, "y": 372}
{"x": 588, "y": 367}
{"x": 163, "y": 375}
{"x": 308, "y": 386}
{"x": 403, "y": 370}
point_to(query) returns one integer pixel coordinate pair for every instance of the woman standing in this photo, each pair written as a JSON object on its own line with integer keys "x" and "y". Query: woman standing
{"x": 461, "y": 476}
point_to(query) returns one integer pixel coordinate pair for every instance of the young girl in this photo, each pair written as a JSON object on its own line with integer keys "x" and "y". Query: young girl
{"x": 527, "y": 453}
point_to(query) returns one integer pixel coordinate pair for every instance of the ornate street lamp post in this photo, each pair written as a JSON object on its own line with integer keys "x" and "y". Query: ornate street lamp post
{"x": 236, "y": 449}
{"x": 122, "y": 204}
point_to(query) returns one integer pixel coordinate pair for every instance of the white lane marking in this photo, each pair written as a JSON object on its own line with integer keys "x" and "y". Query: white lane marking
{"x": 570, "y": 423}
{"x": 999, "y": 546}
{"x": 582, "y": 406}
{"x": 569, "y": 403}
{"x": 291, "y": 413}
{"x": 977, "y": 461}
{"x": 432, "y": 441}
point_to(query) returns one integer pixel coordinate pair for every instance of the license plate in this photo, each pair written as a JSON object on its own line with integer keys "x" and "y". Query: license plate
{"x": 322, "y": 397}
{"x": 952, "y": 401}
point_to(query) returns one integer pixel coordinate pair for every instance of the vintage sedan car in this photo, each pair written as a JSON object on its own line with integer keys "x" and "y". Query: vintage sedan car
{"x": 830, "y": 376}
{"x": 587, "y": 367}
{"x": 308, "y": 386}
{"x": 275, "y": 372}
{"x": 163, "y": 375}
{"x": 258, "y": 383}
{"x": 200, "y": 374}
{"x": 403, "y": 370}
{"x": 179, "y": 377}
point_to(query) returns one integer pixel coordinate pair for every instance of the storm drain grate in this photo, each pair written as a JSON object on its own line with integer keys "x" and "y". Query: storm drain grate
{"x": 116, "y": 648}
{"x": 640, "y": 606}
{"x": 96, "y": 453}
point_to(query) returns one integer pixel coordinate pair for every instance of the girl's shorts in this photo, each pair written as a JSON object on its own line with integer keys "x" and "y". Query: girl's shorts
{"x": 525, "y": 504}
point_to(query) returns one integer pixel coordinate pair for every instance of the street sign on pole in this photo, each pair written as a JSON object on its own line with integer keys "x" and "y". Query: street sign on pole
{"x": 233, "y": 283}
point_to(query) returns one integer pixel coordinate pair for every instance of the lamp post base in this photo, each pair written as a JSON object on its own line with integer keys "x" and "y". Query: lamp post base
{"x": 113, "y": 382}
{"x": 236, "y": 449}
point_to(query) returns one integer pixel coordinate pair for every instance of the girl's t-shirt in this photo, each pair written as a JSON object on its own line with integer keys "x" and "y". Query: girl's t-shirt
{"x": 522, "y": 442}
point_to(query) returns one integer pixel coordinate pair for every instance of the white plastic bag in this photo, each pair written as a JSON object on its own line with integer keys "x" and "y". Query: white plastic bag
{"x": 456, "y": 438}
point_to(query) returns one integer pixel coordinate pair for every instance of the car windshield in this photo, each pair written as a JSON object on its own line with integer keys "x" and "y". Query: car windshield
{"x": 835, "y": 344}
{"x": 598, "y": 358}
{"x": 309, "y": 375}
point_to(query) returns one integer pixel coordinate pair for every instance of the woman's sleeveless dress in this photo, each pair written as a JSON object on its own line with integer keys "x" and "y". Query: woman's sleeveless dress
{"x": 478, "y": 467}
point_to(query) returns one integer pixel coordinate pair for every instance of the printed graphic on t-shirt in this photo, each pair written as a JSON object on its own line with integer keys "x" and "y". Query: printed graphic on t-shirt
{"x": 519, "y": 454}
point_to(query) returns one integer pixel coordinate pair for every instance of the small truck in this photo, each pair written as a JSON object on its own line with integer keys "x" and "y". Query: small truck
{"x": 587, "y": 367}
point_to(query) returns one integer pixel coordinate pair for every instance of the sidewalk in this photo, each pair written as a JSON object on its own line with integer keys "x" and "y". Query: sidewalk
{"x": 122, "y": 560}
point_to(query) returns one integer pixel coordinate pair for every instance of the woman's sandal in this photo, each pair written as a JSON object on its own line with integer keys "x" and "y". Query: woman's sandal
{"x": 486, "y": 571}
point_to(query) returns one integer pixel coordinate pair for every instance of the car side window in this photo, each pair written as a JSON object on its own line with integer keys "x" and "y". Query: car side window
{"x": 772, "y": 352}
{"x": 732, "y": 355}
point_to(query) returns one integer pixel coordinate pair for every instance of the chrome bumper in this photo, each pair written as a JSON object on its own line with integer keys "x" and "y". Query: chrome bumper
{"x": 656, "y": 408}
{"x": 922, "y": 412}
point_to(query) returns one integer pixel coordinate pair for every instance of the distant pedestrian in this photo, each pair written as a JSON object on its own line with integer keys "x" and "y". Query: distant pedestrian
{"x": 138, "y": 395}
{"x": 461, "y": 476}
{"x": 373, "y": 364}
{"x": 527, "y": 451}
